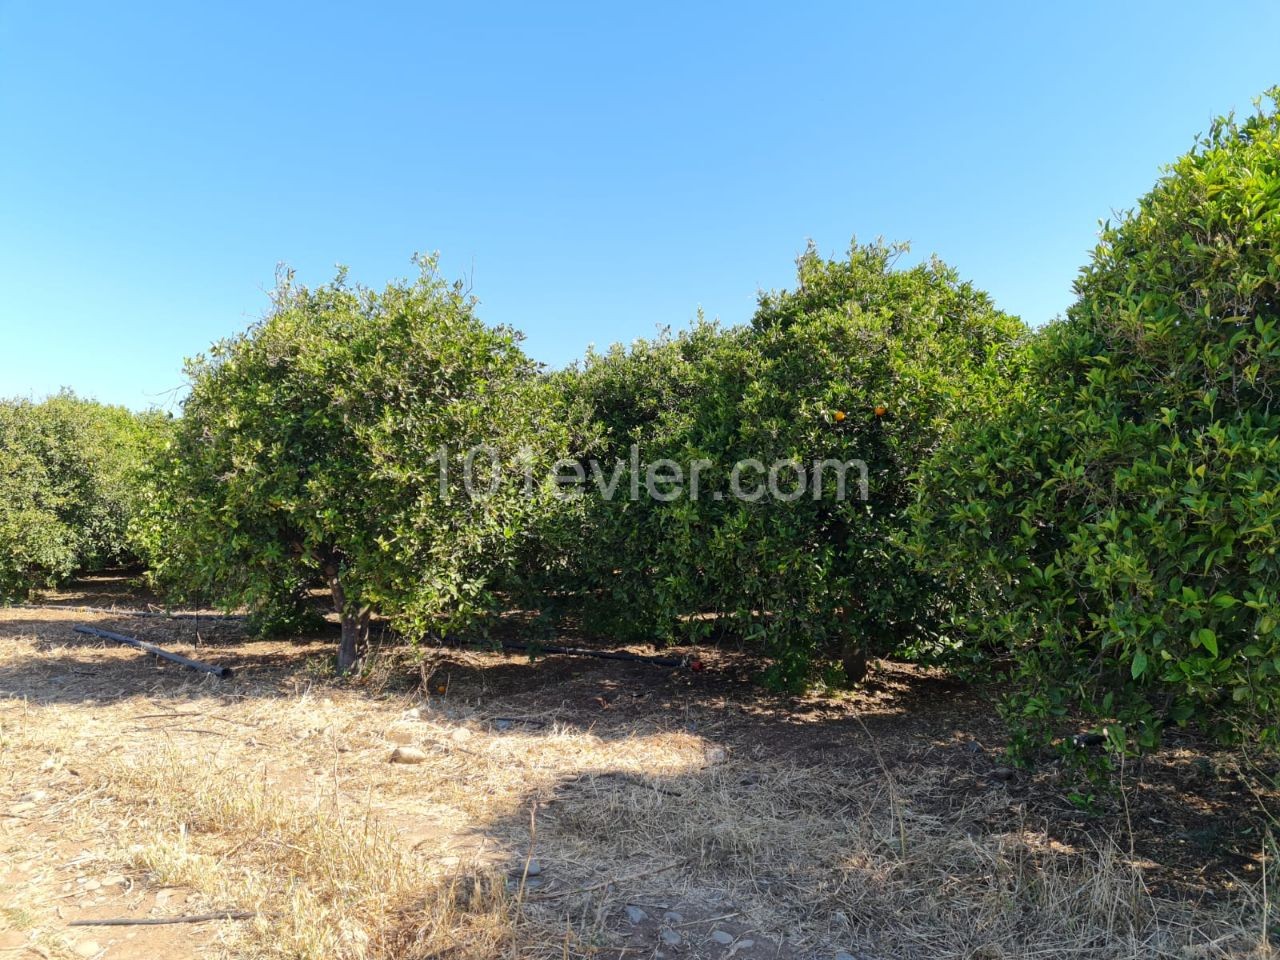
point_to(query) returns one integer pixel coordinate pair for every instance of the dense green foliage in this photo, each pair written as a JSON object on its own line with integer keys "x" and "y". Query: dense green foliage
{"x": 805, "y": 577}
{"x": 309, "y": 451}
{"x": 1116, "y": 531}
{"x": 68, "y": 486}
{"x": 1093, "y": 506}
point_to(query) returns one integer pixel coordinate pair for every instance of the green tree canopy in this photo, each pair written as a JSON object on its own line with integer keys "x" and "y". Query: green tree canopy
{"x": 69, "y": 471}
{"x": 330, "y": 443}
{"x": 862, "y": 361}
{"x": 1116, "y": 531}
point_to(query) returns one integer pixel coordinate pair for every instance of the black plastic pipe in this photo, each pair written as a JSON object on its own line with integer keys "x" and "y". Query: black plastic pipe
{"x": 224, "y": 673}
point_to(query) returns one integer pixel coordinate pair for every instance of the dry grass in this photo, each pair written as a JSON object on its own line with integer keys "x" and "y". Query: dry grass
{"x": 273, "y": 794}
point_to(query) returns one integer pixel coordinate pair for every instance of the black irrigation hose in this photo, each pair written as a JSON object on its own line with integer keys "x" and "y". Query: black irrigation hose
{"x": 581, "y": 652}
{"x": 127, "y": 612}
{"x": 223, "y": 673}
{"x": 159, "y": 921}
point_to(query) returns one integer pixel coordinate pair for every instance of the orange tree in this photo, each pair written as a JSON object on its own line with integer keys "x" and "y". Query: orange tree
{"x": 331, "y": 444}
{"x": 862, "y": 361}
{"x": 1115, "y": 532}
{"x": 68, "y": 487}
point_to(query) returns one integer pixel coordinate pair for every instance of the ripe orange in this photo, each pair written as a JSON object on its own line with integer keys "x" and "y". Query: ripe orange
{"x": 839, "y": 415}
{"x": 881, "y": 409}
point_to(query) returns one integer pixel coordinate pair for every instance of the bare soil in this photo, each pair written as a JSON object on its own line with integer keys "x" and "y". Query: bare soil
{"x": 575, "y": 807}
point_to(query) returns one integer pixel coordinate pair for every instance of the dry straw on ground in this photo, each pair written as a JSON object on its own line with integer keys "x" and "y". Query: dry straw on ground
{"x": 549, "y": 799}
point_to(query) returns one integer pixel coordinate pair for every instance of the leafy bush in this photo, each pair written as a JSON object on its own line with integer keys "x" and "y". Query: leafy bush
{"x": 862, "y": 361}
{"x": 311, "y": 450}
{"x": 68, "y": 486}
{"x": 1115, "y": 531}
{"x": 622, "y": 559}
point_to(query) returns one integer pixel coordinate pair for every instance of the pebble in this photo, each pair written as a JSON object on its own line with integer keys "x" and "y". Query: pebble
{"x": 722, "y": 937}
{"x": 461, "y": 735}
{"x": 635, "y": 915}
{"x": 672, "y": 917}
{"x": 533, "y": 869}
{"x": 502, "y": 726}
{"x": 114, "y": 881}
{"x": 93, "y": 884}
{"x": 844, "y": 955}
{"x": 715, "y": 755}
{"x": 1003, "y": 773}
{"x": 671, "y": 937}
{"x": 408, "y": 755}
{"x": 88, "y": 948}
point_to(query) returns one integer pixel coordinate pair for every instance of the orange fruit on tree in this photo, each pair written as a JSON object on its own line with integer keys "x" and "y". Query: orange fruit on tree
{"x": 839, "y": 415}
{"x": 881, "y": 409}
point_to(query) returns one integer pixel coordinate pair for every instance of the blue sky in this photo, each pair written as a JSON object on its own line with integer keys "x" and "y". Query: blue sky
{"x": 594, "y": 170}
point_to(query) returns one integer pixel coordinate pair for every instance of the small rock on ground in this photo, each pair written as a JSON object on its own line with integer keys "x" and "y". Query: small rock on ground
{"x": 722, "y": 937}
{"x": 671, "y": 937}
{"x": 635, "y": 915}
{"x": 407, "y": 755}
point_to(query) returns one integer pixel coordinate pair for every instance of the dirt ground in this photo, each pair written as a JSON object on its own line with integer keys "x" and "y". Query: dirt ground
{"x": 575, "y": 807}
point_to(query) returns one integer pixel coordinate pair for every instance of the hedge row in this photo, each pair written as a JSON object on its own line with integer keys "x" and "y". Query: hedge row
{"x": 1093, "y": 504}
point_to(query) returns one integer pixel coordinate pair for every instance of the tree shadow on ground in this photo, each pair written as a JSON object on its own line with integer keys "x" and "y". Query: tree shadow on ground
{"x": 904, "y": 720}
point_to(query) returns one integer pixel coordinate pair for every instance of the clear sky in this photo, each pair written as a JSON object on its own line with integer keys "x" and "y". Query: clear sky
{"x": 595, "y": 170}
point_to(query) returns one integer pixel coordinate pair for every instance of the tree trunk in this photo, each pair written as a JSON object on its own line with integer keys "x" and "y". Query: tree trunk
{"x": 355, "y": 624}
{"x": 853, "y": 652}
{"x": 853, "y": 656}
{"x": 355, "y": 631}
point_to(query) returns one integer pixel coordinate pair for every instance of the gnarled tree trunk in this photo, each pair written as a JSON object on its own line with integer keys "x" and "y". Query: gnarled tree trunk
{"x": 355, "y": 623}
{"x": 852, "y": 652}
{"x": 853, "y": 657}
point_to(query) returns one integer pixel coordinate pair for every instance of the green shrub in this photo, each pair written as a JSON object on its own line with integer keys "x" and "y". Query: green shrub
{"x": 1115, "y": 532}
{"x": 311, "y": 447}
{"x": 68, "y": 487}
{"x": 804, "y": 578}
{"x": 623, "y": 560}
